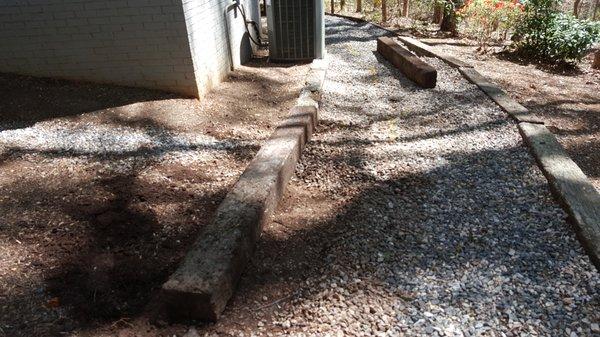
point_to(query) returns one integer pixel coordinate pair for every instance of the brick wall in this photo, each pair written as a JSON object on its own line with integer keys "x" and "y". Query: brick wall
{"x": 208, "y": 37}
{"x": 144, "y": 43}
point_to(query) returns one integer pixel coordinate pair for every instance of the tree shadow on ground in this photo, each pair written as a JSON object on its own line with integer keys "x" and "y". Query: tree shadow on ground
{"x": 561, "y": 68}
{"x": 27, "y": 100}
{"x": 104, "y": 228}
{"x": 338, "y": 32}
{"x": 474, "y": 218}
{"x": 578, "y": 130}
{"x": 431, "y": 233}
{"x": 113, "y": 237}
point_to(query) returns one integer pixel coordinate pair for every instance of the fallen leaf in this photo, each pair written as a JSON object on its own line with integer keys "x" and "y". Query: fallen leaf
{"x": 53, "y": 303}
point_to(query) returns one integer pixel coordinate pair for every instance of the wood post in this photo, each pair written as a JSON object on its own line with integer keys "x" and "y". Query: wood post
{"x": 410, "y": 65}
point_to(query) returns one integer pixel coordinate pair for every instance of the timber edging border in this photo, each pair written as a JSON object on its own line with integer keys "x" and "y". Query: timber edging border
{"x": 207, "y": 277}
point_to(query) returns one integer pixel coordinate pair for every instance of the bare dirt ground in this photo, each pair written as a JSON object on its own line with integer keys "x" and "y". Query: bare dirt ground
{"x": 103, "y": 189}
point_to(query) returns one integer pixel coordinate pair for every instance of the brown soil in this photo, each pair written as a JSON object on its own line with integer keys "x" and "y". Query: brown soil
{"x": 86, "y": 239}
{"x": 567, "y": 99}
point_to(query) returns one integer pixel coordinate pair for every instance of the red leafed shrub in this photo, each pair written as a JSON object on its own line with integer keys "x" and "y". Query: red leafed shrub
{"x": 485, "y": 19}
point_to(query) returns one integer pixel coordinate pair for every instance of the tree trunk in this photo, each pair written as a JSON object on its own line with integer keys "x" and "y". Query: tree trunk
{"x": 342, "y": 5}
{"x": 595, "y": 9}
{"x": 384, "y": 10}
{"x": 405, "y": 8}
{"x": 596, "y": 64}
{"x": 449, "y": 20}
{"x": 576, "y": 8}
{"x": 332, "y": 6}
{"x": 358, "y": 6}
{"x": 438, "y": 13}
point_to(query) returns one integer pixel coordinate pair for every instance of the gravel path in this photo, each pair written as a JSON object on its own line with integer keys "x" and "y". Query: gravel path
{"x": 104, "y": 140}
{"x": 568, "y": 102}
{"x": 413, "y": 213}
{"x": 420, "y": 213}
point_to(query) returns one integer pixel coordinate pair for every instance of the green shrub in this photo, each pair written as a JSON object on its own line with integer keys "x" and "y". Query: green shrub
{"x": 548, "y": 35}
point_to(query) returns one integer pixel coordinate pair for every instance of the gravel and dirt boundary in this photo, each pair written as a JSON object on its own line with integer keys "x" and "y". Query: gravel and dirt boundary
{"x": 103, "y": 189}
{"x": 203, "y": 284}
{"x": 565, "y": 99}
{"x": 412, "y": 212}
{"x": 570, "y": 185}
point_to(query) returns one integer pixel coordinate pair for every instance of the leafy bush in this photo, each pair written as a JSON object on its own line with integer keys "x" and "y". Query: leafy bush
{"x": 551, "y": 36}
{"x": 486, "y": 17}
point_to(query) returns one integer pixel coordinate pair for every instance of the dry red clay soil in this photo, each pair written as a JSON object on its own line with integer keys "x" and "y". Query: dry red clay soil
{"x": 567, "y": 99}
{"x": 103, "y": 189}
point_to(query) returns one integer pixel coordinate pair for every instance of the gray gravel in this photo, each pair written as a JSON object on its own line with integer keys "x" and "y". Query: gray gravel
{"x": 447, "y": 226}
{"x": 119, "y": 148}
{"x": 99, "y": 139}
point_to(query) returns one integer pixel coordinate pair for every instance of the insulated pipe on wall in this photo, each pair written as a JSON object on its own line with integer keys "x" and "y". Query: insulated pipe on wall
{"x": 237, "y": 4}
{"x": 233, "y": 4}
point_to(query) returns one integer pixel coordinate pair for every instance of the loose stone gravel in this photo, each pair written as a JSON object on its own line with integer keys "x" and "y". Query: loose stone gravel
{"x": 74, "y": 138}
{"x": 441, "y": 224}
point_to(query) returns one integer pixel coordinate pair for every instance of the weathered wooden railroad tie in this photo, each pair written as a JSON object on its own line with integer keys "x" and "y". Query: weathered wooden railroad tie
{"x": 409, "y": 64}
{"x": 206, "y": 279}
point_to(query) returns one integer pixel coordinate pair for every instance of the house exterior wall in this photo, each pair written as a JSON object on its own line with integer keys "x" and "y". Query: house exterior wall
{"x": 211, "y": 37}
{"x": 172, "y": 45}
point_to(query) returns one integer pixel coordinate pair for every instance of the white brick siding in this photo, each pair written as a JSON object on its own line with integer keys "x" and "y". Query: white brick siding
{"x": 206, "y": 26}
{"x": 144, "y": 43}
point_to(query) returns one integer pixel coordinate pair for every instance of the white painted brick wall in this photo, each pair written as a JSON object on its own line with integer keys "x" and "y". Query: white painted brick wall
{"x": 207, "y": 31}
{"x": 127, "y": 42}
{"x": 174, "y": 45}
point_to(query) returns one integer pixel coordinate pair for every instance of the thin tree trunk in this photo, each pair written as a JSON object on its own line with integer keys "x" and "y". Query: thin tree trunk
{"x": 332, "y": 6}
{"x": 342, "y": 5}
{"x": 596, "y": 64}
{"x": 358, "y": 6}
{"x": 449, "y": 20}
{"x": 595, "y": 9}
{"x": 405, "y": 8}
{"x": 438, "y": 13}
{"x": 384, "y": 10}
{"x": 576, "y": 8}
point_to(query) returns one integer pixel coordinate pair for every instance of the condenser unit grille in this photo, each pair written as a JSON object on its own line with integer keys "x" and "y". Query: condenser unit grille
{"x": 293, "y": 31}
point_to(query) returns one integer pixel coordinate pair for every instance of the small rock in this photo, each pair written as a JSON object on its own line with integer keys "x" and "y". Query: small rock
{"x": 191, "y": 333}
